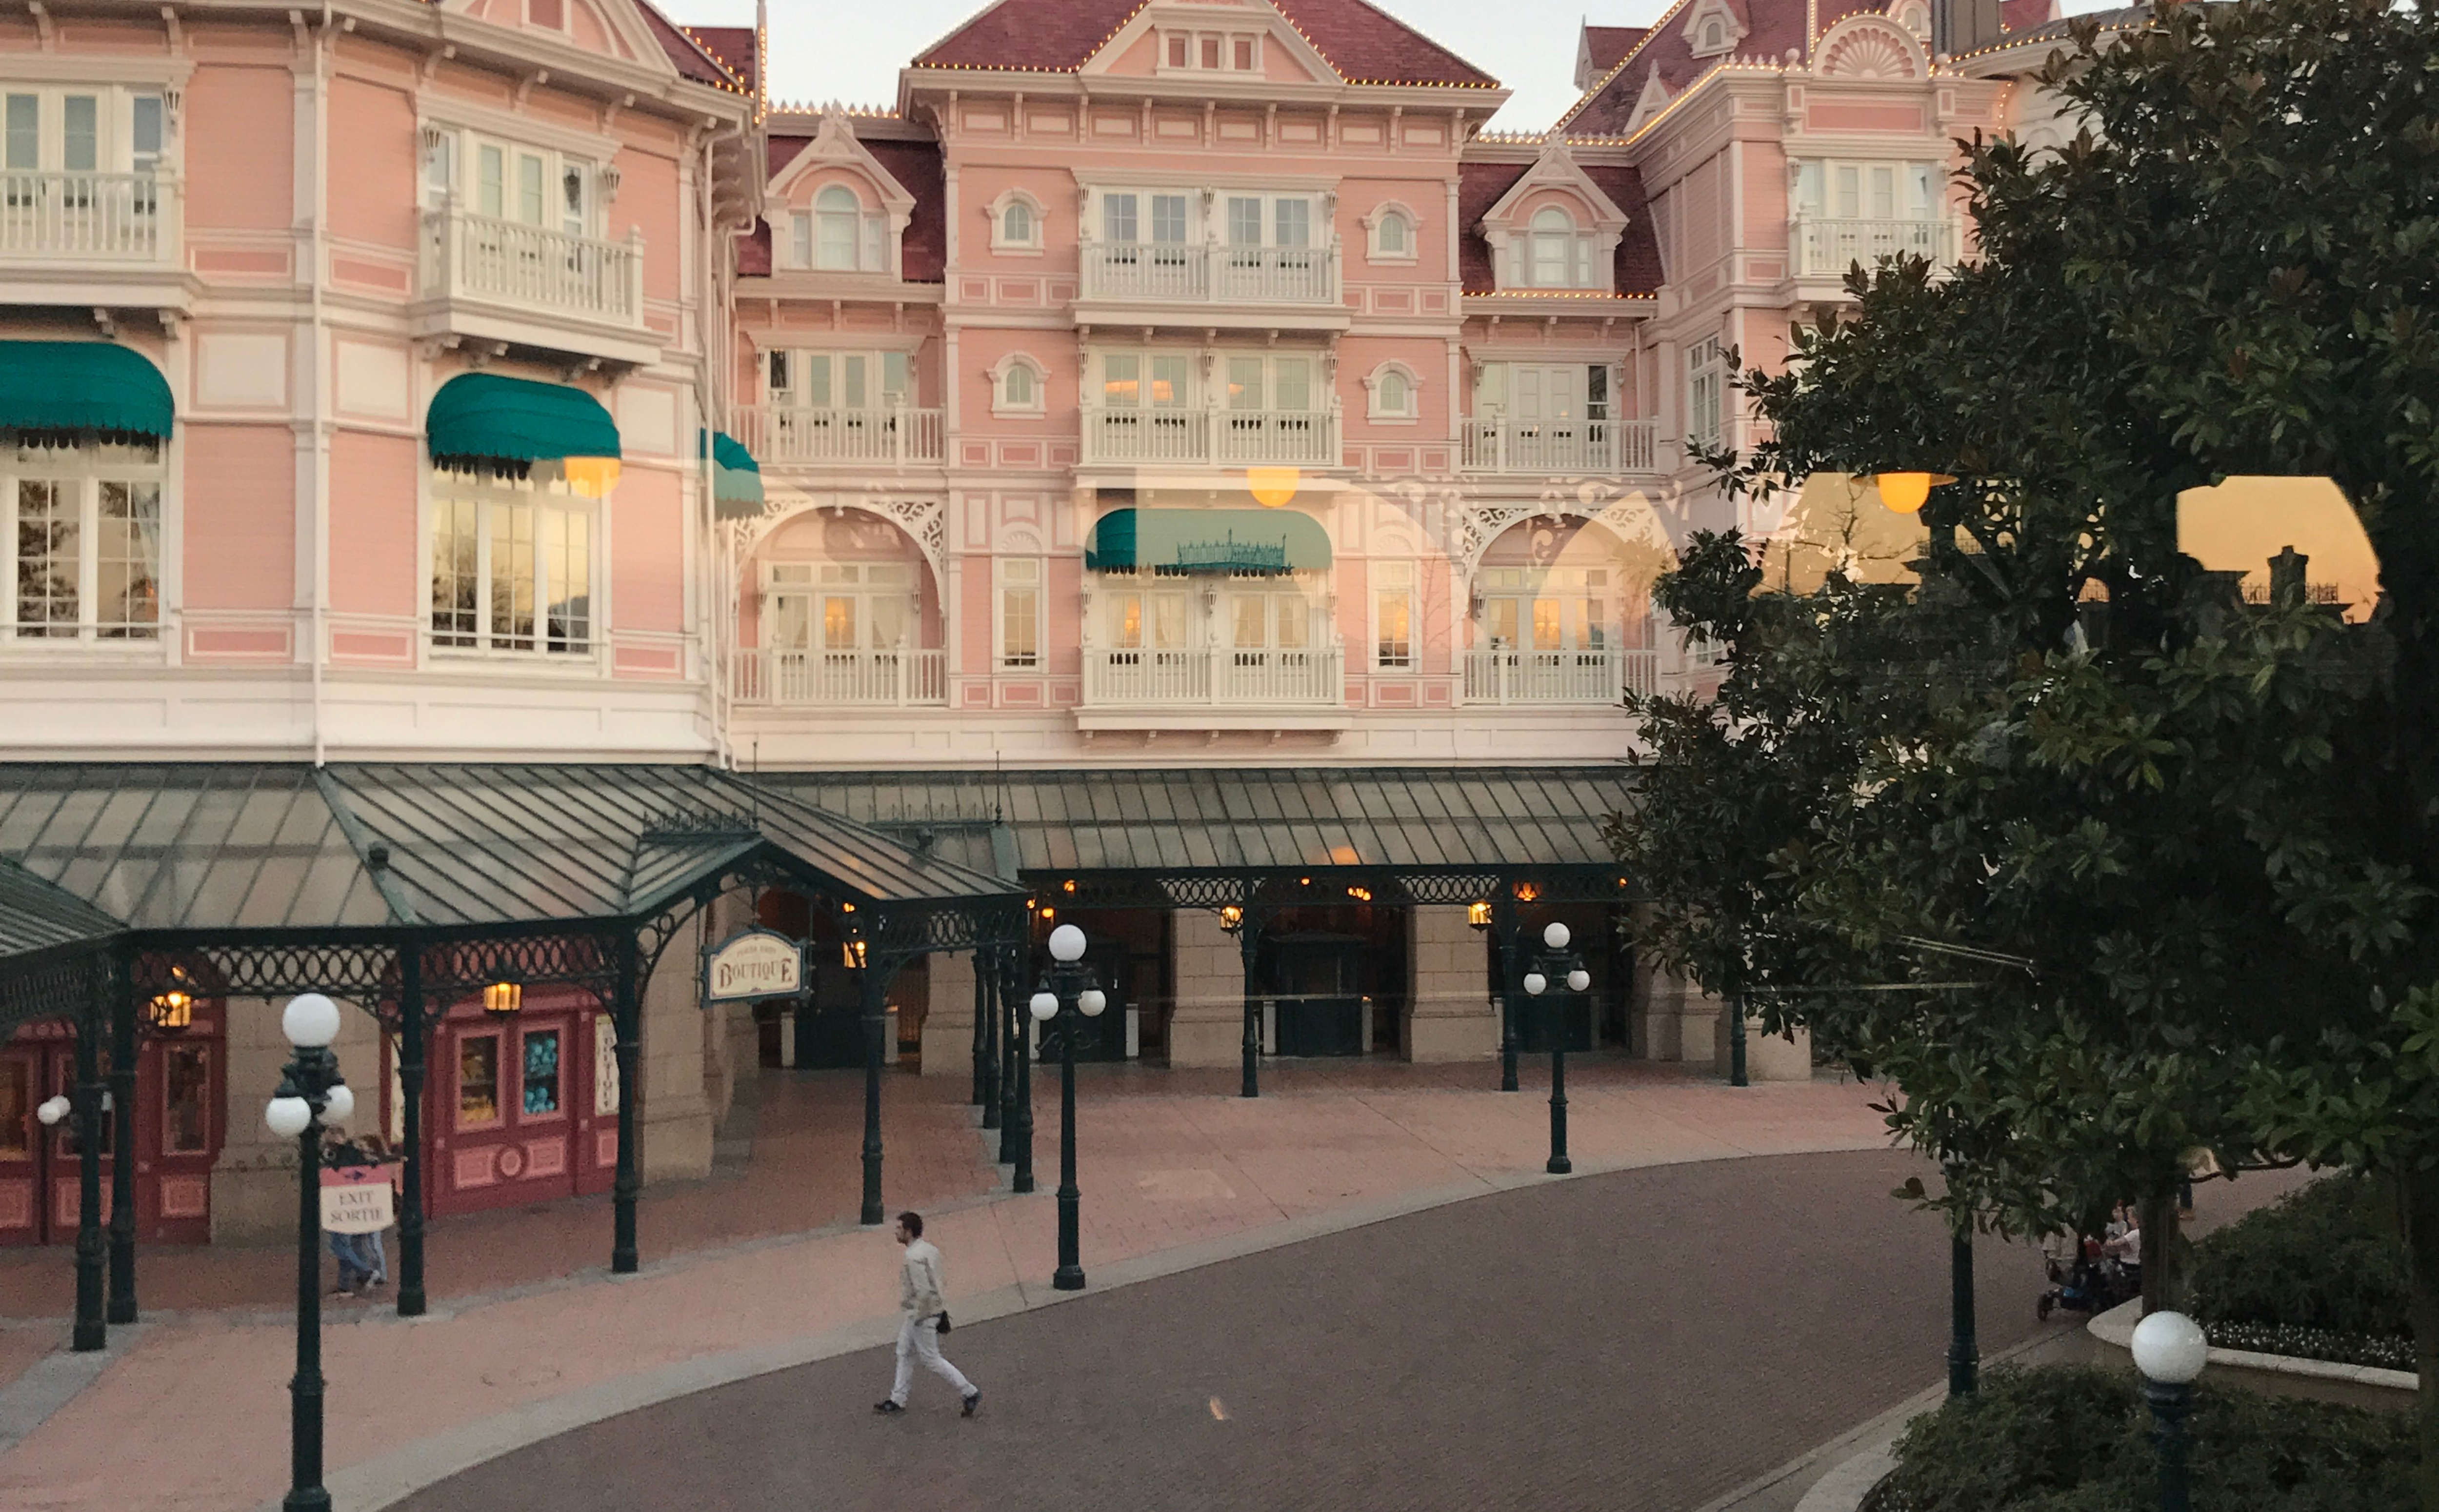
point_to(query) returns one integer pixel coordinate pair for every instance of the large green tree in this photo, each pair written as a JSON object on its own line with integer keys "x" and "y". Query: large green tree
{"x": 2208, "y": 827}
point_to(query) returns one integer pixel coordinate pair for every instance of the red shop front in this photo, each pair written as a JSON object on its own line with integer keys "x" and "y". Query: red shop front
{"x": 521, "y": 1107}
{"x": 181, "y": 1090}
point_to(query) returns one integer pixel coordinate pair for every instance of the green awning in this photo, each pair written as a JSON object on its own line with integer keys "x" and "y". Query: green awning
{"x": 1207, "y": 540}
{"x": 480, "y": 417}
{"x": 82, "y": 386}
{"x": 736, "y": 477}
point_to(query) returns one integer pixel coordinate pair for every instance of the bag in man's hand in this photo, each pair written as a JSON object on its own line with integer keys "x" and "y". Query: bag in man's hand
{"x": 944, "y": 1322}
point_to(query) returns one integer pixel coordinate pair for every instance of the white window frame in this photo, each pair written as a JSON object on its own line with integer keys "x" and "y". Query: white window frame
{"x": 865, "y": 583}
{"x": 875, "y": 250}
{"x": 1589, "y": 612}
{"x": 1707, "y": 392}
{"x": 1377, "y": 223}
{"x": 1187, "y": 394}
{"x": 1816, "y": 188}
{"x": 1000, "y": 372}
{"x": 822, "y": 377}
{"x": 454, "y": 162}
{"x": 83, "y": 470}
{"x": 1582, "y": 258}
{"x": 115, "y": 147}
{"x": 1391, "y": 579}
{"x": 1012, "y": 576}
{"x": 1376, "y": 387}
{"x": 1495, "y": 387}
{"x": 1191, "y": 51}
{"x": 1030, "y": 246}
{"x": 545, "y": 494}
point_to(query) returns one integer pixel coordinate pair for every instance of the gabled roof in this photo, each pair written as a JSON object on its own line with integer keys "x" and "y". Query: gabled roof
{"x": 1481, "y": 185}
{"x": 734, "y": 48}
{"x": 1365, "y": 44}
{"x": 1600, "y": 50}
{"x": 1772, "y": 27}
{"x": 917, "y": 166}
{"x": 691, "y": 57}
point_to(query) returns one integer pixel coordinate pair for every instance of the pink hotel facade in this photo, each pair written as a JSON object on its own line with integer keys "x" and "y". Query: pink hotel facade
{"x": 1179, "y": 384}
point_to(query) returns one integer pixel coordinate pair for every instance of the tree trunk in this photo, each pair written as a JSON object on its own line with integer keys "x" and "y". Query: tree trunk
{"x": 2420, "y": 1190}
{"x": 2164, "y": 1281}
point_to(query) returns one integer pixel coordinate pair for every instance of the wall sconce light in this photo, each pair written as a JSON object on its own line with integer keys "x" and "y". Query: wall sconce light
{"x": 1362, "y": 895}
{"x": 502, "y": 999}
{"x": 1478, "y": 914}
{"x": 1527, "y": 893}
{"x": 1231, "y": 918}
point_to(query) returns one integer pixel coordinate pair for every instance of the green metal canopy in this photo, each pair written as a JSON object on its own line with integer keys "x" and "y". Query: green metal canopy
{"x": 1207, "y": 540}
{"x": 489, "y": 416}
{"x": 82, "y": 386}
{"x": 736, "y": 477}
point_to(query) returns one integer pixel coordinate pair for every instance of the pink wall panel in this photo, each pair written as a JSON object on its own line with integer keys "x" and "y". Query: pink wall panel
{"x": 373, "y": 187}
{"x": 1765, "y": 194}
{"x": 976, "y": 653}
{"x": 647, "y": 552}
{"x": 1064, "y": 627}
{"x": 240, "y": 516}
{"x": 240, "y": 163}
{"x": 374, "y": 560}
{"x": 1436, "y": 612}
{"x": 648, "y": 199}
{"x": 1704, "y": 208}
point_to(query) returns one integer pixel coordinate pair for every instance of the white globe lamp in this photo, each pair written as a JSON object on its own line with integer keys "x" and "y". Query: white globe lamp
{"x": 2170, "y": 1348}
{"x": 52, "y": 1111}
{"x": 1557, "y": 937}
{"x": 338, "y": 1106}
{"x": 1067, "y": 943}
{"x": 311, "y": 1021}
{"x": 1044, "y": 1007}
{"x": 1578, "y": 980}
{"x": 289, "y": 1116}
{"x": 1536, "y": 983}
{"x": 1092, "y": 1001}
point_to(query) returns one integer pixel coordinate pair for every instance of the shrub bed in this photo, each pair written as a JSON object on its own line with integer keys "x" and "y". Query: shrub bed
{"x": 2073, "y": 1439}
{"x": 2321, "y": 1274}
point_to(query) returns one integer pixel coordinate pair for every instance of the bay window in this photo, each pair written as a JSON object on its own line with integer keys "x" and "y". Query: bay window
{"x": 512, "y": 563}
{"x": 85, "y": 537}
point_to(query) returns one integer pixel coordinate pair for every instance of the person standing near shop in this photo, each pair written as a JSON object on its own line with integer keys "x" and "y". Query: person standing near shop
{"x": 924, "y": 1316}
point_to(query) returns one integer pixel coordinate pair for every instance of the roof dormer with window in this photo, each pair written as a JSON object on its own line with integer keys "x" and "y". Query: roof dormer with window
{"x": 1713, "y": 28}
{"x": 835, "y": 209}
{"x": 1554, "y": 230}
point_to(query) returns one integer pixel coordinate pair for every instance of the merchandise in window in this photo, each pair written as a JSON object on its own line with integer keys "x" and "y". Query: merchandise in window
{"x": 85, "y": 534}
{"x": 1393, "y": 616}
{"x": 512, "y": 563}
{"x": 1019, "y": 614}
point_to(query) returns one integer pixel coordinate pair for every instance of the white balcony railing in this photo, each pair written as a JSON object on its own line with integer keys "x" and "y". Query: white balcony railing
{"x": 778, "y": 435}
{"x": 1501, "y": 445}
{"x": 1214, "y": 677}
{"x": 533, "y": 267}
{"x": 1210, "y": 273}
{"x": 841, "y": 679}
{"x": 1220, "y": 438}
{"x": 115, "y": 218}
{"x": 1826, "y": 249}
{"x": 1559, "y": 677}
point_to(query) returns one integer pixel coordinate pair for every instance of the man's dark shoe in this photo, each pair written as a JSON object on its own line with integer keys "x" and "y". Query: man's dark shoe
{"x": 885, "y": 1408}
{"x": 971, "y": 1402}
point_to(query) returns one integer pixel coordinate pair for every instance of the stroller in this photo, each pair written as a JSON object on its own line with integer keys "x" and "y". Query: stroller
{"x": 2084, "y": 1279}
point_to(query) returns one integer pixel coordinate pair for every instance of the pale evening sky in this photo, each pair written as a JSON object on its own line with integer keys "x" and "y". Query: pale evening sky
{"x": 840, "y": 49}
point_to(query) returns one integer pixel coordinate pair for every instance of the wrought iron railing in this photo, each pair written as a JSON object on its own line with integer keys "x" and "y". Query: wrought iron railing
{"x": 782, "y": 435}
{"x": 1497, "y": 444}
{"x": 480, "y": 256}
{"x": 113, "y": 218}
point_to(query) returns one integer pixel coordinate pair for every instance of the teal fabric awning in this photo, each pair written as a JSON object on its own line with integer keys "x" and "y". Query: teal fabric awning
{"x": 486, "y": 416}
{"x": 82, "y": 386}
{"x": 736, "y": 477}
{"x": 1207, "y": 540}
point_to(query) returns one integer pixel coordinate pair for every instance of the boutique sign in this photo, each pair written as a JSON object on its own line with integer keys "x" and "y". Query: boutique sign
{"x": 755, "y": 964}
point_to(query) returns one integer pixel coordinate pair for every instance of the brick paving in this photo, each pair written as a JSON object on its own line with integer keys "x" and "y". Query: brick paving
{"x": 193, "y": 1414}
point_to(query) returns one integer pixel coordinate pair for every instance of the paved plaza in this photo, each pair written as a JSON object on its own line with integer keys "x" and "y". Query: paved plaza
{"x": 1364, "y": 1270}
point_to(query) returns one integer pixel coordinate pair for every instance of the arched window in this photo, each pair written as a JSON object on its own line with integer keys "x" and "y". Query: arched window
{"x": 1018, "y": 390}
{"x": 1396, "y": 393}
{"x": 1016, "y": 223}
{"x": 836, "y": 212}
{"x": 1553, "y": 249}
{"x": 1715, "y": 37}
{"x": 1395, "y": 236}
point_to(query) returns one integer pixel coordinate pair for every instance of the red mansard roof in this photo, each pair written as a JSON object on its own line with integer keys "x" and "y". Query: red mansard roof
{"x": 694, "y": 60}
{"x": 1365, "y": 44}
{"x": 1772, "y": 28}
{"x": 732, "y": 47}
{"x": 915, "y": 166}
{"x": 1480, "y": 185}
{"x": 1605, "y": 46}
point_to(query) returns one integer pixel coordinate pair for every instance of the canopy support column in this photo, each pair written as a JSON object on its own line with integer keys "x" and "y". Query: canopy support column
{"x": 122, "y": 1165}
{"x": 1249, "y": 948}
{"x": 626, "y": 1018}
{"x": 876, "y": 985}
{"x": 90, "y": 1332}
{"x": 413, "y": 1048}
{"x": 982, "y": 1033}
{"x": 1511, "y": 980}
{"x": 987, "y": 1015}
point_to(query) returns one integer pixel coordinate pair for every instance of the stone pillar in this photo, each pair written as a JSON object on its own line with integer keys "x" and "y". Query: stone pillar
{"x": 1451, "y": 1014}
{"x": 1207, "y": 1027}
{"x": 675, "y": 1116}
{"x": 1768, "y": 1057}
{"x": 1681, "y": 1022}
{"x": 948, "y": 1018}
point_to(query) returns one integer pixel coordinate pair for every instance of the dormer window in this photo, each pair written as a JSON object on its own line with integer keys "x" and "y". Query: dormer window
{"x": 839, "y": 235}
{"x": 1557, "y": 253}
{"x": 1211, "y": 52}
{"x": 1715, "y": 37}
{"x": 1711, "y": 29}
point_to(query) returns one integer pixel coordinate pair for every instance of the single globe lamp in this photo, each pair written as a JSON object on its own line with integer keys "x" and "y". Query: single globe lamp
{"x": 1578, "y": 980}
{"x": 338, "y": 1105}
{"x": 1067, "y": 943}
{"x": 311, "y": 1021}
{"x": 1907, "y": 492}
{"x": 52, "y": 1111}
{"x": 289, "y": 1116}
{"x": 2170, "y": 1348}
{"x": 1092, "y": 1001}
{"x": 1044, "y": 1007}
{"x": 1536, "y": 983}
{"x": 1557, "y": 937}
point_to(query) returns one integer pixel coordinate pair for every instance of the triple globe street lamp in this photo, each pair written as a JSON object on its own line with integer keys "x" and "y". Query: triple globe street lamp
{"x": 1069, "y": 996}
{"x": 310, "y": 1094}
{"x": 1558, "y": 962}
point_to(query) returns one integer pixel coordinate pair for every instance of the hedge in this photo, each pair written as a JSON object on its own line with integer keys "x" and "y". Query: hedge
{"x": 2320, "y": 1273}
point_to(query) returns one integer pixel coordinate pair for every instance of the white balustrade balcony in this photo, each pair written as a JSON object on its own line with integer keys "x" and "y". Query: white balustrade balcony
{"x": 1210, "y": 273}
{"x": 113, "y": 218}
{"x": 1212, "y": 437}
{"x": 825, "y": 679}
{"x": 780, "y": 435}
{"x": 1496, "y": 444}
{"x": 1217, "y": 677}
{"x": 1827, "y": 248}
{"x": 1602, "y": 676}
{"x": 533, "y": 286}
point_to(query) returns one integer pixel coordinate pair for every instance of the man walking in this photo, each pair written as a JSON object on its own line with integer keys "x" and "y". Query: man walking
{"x": 925, "y": 1316}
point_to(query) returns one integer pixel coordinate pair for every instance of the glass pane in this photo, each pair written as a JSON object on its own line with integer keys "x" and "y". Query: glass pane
{"x": 1118, "y": 217}
{"x": 1395, "y": 617}
{"x": 1548, "y": 632}
{"x": 490, "y": 181}
{"x": 542, "y": 1072}
{"x": 1244, "y": 222}
{"x": 791, "y": 622}
{"x": 1291, "y": 383}
{"x": 572, "y": 218}
{"x": 1019, "y": 621}
{"x": 146, "y": 120}
{"x": 1808, "y": 188}
{"x": 512, "y": 577}
{"x": 530, "y": 197}
{"x": 1168, "y": 622}
{"x": 1499, "y": 617}
{"x": 25, "y": 132}
{"x": 47, "y": 549}
{"x": 1884, "y": 193}
{"x": 1168, "y": 381}
{"x": 1126, "y": 621}
{"x": 894, "y": 374}
{"x": 568, "y": 560}
{"x": 886, "y": 615}
{"x": 1121, "y": 380}
{"x": 478, "y": 1079}
{"x": 186, "y": 1100}
{"x": 16, "y": 1109}
{"x": 1294, "y": 218}
{"x": 837, "y": 230}
{"x": 454, "y": 546}
{"x": 1168, "y": 218}
{"x": 838, "y": 623}
{"x": 818, "y": 382}
{"x": 1851, "y": 193}
{"x": 1592, "y": 625}
{"x": 128, "y": 559}
{"x": 1248, "y": 611}
{"x": 81, "y": 144}
{"x": 852, "y": 372}
{"x": 1244, "y": 383}
{"x": 1294, "y": 622}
